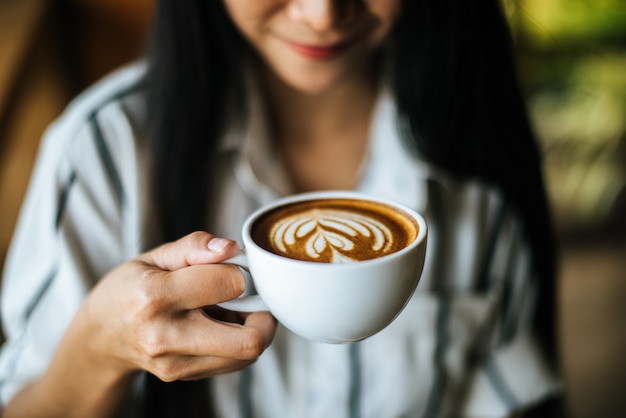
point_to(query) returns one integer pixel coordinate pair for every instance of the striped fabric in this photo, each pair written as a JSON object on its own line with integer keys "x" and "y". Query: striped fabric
{"x": 463, "y": 345}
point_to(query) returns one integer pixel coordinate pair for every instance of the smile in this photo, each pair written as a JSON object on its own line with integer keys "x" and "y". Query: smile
{"x": 319, "y": 52}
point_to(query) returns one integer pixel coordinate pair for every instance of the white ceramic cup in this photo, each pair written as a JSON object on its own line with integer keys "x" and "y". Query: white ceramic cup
{"x": 328, "y": 302}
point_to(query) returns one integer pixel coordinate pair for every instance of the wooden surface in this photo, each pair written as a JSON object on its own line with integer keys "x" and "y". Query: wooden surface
{"x": 593, "y": 329}
{"x": 48, "y": 49}
{"x": 19, "y": 23}
{"x": 116, "y": 28}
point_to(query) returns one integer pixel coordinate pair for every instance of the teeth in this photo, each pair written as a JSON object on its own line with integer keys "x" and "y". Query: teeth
{"x": 334, "y": 232}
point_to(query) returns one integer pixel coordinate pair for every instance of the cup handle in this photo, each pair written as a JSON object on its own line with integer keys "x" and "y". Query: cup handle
{"x": 246, "y": 303}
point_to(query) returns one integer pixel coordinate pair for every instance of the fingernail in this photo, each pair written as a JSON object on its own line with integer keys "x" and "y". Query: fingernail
{"x": 217, "y": 245}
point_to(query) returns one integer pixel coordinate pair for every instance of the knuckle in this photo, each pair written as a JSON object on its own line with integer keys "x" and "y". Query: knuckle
{"x": 168, "y": 371}
{"x": 198, "y": 237}
{"x": 148, "y": 299}
{"x": 155, "y": 345}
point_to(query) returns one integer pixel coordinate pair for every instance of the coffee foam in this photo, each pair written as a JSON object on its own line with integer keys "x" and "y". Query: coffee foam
{"x": 334, "y": 231}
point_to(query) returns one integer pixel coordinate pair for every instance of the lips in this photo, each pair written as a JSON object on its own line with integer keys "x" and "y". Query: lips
{"x": 319, "y": 52}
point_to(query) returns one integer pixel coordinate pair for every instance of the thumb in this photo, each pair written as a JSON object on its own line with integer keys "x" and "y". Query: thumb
{"x": 196, "y": 248}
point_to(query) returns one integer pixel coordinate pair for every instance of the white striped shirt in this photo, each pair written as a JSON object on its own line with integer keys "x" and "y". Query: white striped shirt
{"x": 463, "y": 346}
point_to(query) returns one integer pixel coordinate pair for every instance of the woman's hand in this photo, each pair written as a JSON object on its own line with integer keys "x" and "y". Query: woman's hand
{"x": 152, "y": 313}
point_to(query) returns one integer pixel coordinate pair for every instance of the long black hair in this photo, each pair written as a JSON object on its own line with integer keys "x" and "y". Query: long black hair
{"x": 193, "y": 70}
{"x": 193, "y": 76}
{"x": 460, "y": 104}
{"x": 453, "y": 79}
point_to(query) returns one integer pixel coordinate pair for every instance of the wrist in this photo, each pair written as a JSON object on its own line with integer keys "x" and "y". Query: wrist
{"x": 87, "y": 369}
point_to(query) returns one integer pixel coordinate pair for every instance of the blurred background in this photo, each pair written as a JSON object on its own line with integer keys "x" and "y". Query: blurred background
{"x": 572, "y": 65}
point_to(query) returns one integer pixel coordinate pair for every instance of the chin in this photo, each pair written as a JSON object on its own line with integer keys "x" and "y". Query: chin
{"x": 313, "y": 82}
{"x": 312, "y": 87}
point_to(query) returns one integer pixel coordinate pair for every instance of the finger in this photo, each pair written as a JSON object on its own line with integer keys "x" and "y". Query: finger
{"x": 195, "y": 248}
{"x": 200, "y": 347}
{"x": 194, "y": 368}
{"x": 264, "y": 323}
{"x": 202, "y": 285}
{"x": 206, "y": 337}
{"x": 216, "y": 366}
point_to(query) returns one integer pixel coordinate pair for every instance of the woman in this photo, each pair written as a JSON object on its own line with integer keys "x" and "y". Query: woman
{"x": 239, "y": 103}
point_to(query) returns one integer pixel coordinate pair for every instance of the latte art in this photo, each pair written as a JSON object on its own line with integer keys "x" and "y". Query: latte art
{"x": 332, "y": 235}
{"x": 334, "y": 230}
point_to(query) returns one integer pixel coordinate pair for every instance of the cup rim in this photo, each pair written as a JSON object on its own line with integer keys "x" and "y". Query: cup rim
{"x": 334, "y": 194}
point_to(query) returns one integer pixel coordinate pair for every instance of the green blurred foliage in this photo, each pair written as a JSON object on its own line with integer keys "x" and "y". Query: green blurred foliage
{"x": 554, "y": 23}
{"x": 582, "y": 125}
{"x": 572, "y": 60}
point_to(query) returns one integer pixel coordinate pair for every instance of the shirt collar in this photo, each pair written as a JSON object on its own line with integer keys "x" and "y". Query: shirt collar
{"x": 257, "y": 165}
{"x": 390, "y": 169}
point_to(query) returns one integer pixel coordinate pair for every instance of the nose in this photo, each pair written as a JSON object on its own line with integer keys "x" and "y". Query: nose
{"x": 322, "y": 15}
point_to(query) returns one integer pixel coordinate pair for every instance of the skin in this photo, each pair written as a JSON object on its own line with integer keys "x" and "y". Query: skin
{"x": 150, "y": 313}
{"x": 272, "y": 27}
{"x": 320, "y": 106}
{"x": 147, "y": 315}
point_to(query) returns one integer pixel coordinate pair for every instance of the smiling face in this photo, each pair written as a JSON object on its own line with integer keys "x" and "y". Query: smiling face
{"x": 312, "y": 45}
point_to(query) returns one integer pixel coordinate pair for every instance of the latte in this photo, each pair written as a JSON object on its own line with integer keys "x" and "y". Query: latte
{"x": 334, "y": 230}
